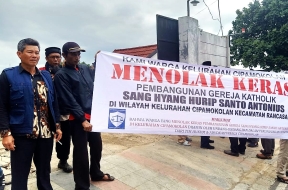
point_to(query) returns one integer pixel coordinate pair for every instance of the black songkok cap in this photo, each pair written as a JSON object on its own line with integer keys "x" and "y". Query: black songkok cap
{"x": 50, "y": 50}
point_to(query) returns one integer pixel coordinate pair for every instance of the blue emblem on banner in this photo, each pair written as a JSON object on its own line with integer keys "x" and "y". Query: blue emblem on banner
{"x": 116, "y": 118}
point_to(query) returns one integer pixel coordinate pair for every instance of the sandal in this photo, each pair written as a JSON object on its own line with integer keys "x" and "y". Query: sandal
{"x": 187, "y": 143}
{"x": 188, "y": 139}
{"x": 180, "y": 141}
{"x": 282, "y": 179}
{"x": 110, "y": 178}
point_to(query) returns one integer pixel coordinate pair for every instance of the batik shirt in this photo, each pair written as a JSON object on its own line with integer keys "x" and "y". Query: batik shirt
{"x": 41, "y": 127}
{"x": 41, "y": 112}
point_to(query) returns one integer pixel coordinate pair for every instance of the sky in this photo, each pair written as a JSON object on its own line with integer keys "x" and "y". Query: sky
{"x": 99, "y": 24}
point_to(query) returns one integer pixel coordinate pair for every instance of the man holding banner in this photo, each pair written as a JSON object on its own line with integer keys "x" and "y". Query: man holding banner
{"x": 205, "y": 140}
{"x": 282, "y": 162}
{"x": 268, "y": 149}
{"x": 74, "y": 84}
{"x": 235, "y": 147}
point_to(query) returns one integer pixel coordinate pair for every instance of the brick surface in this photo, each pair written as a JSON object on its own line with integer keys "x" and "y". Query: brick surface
{"x": 167, "y": 165}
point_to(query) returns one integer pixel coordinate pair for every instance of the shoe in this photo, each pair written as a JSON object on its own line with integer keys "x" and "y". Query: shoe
{"x": 243, "y": 153}
{"x": 2, "y": 182}
{"x": 283, "y": 180}
{"x": 187, "y": 143}
{"x": 263, "y": 152}
{"x": 263, "y": 156}
{"x": 188, "y": 139}
{"x": 208, "y": 147}
{"x": 109, "y": 178}
{"x": 65, "y": 166}
{"x": 211, "y": 141}
{"x": 229, "y": 152}
{"x": 252, "y": 145}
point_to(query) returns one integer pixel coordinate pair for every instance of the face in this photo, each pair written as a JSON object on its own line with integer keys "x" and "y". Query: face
{"x": 53, "y": 59}
{"x": 30, "y": 56}
{"x": 72, "y": 58}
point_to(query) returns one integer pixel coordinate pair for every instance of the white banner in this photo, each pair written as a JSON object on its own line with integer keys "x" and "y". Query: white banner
{"x": 141, "y": 95}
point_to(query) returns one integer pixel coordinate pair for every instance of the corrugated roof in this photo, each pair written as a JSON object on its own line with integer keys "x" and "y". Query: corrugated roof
{"x": 141, "y": 51}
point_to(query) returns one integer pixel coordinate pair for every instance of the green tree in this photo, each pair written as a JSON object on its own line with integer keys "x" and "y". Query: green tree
{"x": 265, "y": 42}
{"x": 83, "y": 62}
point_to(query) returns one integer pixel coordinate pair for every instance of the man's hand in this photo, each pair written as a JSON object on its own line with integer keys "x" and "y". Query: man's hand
{"x": 58, "y": 135}
{"x": 87, "y": 126}
{"x": 8, "y": 142}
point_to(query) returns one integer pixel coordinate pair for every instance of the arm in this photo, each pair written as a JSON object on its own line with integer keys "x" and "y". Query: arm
{"x": 58, "y": 131}
{"x": 7, "y": 138}
{"x": 94, "y": 65}
{"x": 93, "y": 70}
{"x": 65, "y": 95}
{"x": 4, "y": 102}
{"x": 56, "y": 107}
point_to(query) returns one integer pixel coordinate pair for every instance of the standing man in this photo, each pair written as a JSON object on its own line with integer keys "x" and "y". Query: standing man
{"x": 205, "y": 140}
{"x": 53, "y": 58}
{"x": 268, "y": 149}
{"x": 235, "y": 147}
{"x": 2, "y": 180}
{"x": 29, "y": 117}
{"x": 282, "y": 162}
{"x": 74, "y": 84}
{"x": 253, "y": 142}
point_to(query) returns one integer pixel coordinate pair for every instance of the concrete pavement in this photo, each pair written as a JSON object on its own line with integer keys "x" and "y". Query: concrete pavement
{"x": 167, "y": 165}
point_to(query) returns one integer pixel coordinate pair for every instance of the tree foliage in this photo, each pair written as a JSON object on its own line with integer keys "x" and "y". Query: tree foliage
{"x": 84, "y": 63}
{"x": 265, "y": 42}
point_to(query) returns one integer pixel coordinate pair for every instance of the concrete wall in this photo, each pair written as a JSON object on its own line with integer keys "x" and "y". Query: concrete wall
{"x": 155, "y": 56}
{"x": 213, "y": 48}
{"x": 197, "y": 46}
{"x": 189, "y": 39}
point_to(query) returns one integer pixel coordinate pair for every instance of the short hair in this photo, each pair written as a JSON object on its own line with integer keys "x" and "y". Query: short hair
{"x": 27, "y": 41}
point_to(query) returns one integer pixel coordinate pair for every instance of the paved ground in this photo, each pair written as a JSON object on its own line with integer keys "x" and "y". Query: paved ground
{"x": 163, "y": 164}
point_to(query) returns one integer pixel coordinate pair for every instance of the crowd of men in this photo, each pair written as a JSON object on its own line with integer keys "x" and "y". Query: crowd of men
{"x": 37, "y": 105}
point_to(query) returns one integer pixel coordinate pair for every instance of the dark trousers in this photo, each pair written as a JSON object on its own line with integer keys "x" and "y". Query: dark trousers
{"x": 63, "y": 150}
{"x": 205, "y": 141}
{"x": 40, "y": 150}
{"x": 235, "y": 147}
{"x": 81, "y": 171}
{"x": 254, "y": 140}
{"x": 268, "y": 146}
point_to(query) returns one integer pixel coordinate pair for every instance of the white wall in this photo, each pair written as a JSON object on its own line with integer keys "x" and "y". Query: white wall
{"x": 154, "y": 56}
{"x": 213, "y": 48}
{"x": 197, "y": 46}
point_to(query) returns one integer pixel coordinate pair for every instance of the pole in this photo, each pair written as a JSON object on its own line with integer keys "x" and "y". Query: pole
{"x": 188, "y": 8}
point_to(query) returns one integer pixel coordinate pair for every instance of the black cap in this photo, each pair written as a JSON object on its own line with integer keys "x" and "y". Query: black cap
{"x": 207, "y": 63}
{"x": 50, "y": 50}
{"x": 71, "y": 47}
